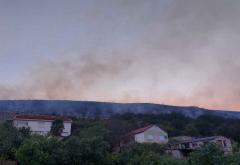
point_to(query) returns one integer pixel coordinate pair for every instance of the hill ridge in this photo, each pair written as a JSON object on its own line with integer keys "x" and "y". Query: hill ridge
{"x": 94, "y": 108}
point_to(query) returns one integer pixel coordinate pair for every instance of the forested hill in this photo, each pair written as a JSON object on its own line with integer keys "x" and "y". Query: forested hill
{"x": 90, "y": 109}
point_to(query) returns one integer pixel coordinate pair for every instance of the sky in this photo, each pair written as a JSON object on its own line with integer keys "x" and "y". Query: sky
{"x": 178, "y": 52}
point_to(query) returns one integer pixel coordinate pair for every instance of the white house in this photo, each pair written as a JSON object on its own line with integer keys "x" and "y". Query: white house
{"x": 41, "y": 124}
{"x": 150, "y": 134}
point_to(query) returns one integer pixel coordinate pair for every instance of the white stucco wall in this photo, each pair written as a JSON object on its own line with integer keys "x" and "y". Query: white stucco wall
{"x": 67, "y": 129}
{"x": 152, "y": 135}
{"x": 139, "y": 138}
{"x": 42, "y": 127}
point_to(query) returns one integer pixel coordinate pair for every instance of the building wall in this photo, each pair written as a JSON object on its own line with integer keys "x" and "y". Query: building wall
{"x": 225, "y": 143}
{"x": 187, "y": 147}
{"x": 42, "y": 127}
{"x": 67, "y": 129}
{"x": 152, "y": 135}
{"x": 140, "y": 138}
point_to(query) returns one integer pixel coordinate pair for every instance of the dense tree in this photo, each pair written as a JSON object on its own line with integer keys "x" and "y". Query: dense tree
{"x": 90, "y": 141}
{"x": 232, "y": 159}
{"x": 144, "y": 154}
{"x": 191, "y": 130}
{"x": 210, "y": 154}
{"x": 89, "y": 146}
{"x": 10, "y": 139}
{"x": 118, "y": 128}
{"x": 57, "y": 127}
{"x": 92, "y": 150}
{"x": 98, "y": 130}
{"x": 73, "y": 151}
{"x": 177, "y": 124}
{"x": 152, "y": 158}
{"x": 39, "y": 150}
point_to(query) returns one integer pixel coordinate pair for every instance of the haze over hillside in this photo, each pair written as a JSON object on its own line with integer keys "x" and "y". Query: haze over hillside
{"x": 176, "y": 52}
{"x": 102, "y": 109}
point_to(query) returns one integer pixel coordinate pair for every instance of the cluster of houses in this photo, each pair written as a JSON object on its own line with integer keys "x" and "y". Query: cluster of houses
{"x": 179, "y": 147}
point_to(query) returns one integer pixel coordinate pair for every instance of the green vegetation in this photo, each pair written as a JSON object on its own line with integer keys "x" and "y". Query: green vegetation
{"x": 210, "y": 154}
{"x": 92, "y": 141}
{"x": 38, "y": 150}
{"x": 57, "y": 127}
{"x": 177, "y": 124}
{"x": 10, "y": 140}
{"x": 145, "y": 154}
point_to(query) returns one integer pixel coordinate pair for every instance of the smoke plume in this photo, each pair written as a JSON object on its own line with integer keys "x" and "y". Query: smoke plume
{"x": 181, "y": 52}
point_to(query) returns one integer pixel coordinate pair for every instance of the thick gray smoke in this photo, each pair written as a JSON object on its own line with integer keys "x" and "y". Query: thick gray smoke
{"x": 182, "y": 52}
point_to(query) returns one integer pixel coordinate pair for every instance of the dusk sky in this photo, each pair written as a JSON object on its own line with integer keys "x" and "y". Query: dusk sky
{"x": 177, "y": 52}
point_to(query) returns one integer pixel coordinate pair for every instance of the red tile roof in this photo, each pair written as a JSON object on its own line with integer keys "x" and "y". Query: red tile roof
{"x": 41, "y": 117}
{"x": 140, "y": 130}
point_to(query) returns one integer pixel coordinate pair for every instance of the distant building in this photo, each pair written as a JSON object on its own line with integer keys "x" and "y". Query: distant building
{"x": 148, "y": 134}
{"x": 41, "y": 124}
{"x": 183, "y": 148}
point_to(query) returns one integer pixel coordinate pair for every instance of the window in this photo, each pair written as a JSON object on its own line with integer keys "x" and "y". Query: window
{"x": 161, "y": 138}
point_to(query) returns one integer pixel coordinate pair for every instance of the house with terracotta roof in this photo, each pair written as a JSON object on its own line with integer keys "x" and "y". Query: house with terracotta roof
{"x": 148, "y": 134}
{"x": 41, "y": 124}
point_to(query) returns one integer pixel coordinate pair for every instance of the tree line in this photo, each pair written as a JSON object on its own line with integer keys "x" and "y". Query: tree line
{"x": 92, "y": 141}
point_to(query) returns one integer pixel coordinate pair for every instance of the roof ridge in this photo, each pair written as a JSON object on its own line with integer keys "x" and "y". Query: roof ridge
{"x": 41, "y": 117}
{"x": 142, "y": 129}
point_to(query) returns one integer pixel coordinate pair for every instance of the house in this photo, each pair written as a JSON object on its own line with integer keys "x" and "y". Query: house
{"x": 41, "y": 124}
{"x": 184, "y": 148}
{"x": 148, "y": 134}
